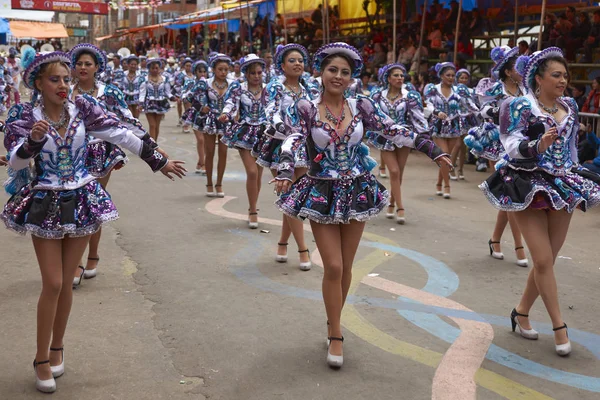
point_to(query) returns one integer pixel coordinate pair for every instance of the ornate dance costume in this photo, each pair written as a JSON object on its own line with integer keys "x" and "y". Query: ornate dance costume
{"x": 116, "y": 76}
{"x": 406, "y": 111}
{"x": 247, "y": 130}
{"x": 205, "y": 95}
{"x": 131, "y": 88}
{"x": 549, "y": 180}
{"x": 155, "y": 96}
{"x": 339, "y": 186}
{"x": 64, "y": 197}
{"x": 454, "y": 106}
{"x": 278, "y": 100}
{"x": 182, "y": 81}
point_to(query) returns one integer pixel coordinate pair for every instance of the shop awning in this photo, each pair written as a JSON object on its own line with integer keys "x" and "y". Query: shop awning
{"x": 37, "y": 30}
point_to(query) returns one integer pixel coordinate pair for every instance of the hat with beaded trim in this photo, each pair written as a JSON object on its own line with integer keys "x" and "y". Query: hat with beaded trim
{"x": 132, "y": 57}
{"x": 439, "y": 67}
{"x": 384, "y": 72}
{"x": 155, "y": 60}
{"x": 212, "y": 61}
{"x": 500, "y": 56}
{"x": 462, "y": 71}
{"x": 339, "y": 48}
{"x": 282, "y": 50}
{"x": 99, "y": 55}
{"x": 527, "y": 66}
{"x": 33, "y": 62}
{"x": 250, "y": 59}
{"x": 198, "y": 64}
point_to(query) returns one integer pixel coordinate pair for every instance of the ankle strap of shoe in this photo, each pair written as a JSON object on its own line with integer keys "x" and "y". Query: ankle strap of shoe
{"x": 56, "y": 348}
{"x": 341, "y": 339}
{"x": 560, "y": 327}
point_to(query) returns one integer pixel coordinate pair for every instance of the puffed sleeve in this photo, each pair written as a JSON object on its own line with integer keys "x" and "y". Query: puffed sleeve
{"x": 376, "y": 121}
{"x": 416, "y": 115}
{"x": 467, "y": 102}
{"x": 115, "y": 103}
{"x": 109, "y": 128}
{"x": 574, "y": 139}
{"x": 514, "y": 124}
{"x": 200, "y": 94}
{"x": 275, "y": 92}
{"x": 430, "y": 94}
{"x": 143, "y": 91}
{"x": 17, "y": 139}
{"x": 232, "y": 102}
{"x": 298, "y": 120}
{"x": 168, "y": 89}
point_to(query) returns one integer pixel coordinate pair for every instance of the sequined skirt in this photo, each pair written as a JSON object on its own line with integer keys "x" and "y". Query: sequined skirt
{"x": 516, "y": 190}
{"x": 103, "y": 157}
{"x": 212, "y": 126}
{"x": 157, "y": 106}
{"x": 53, "y": 214}
{"x": 334, "y": 201}
{"x": 132, "y": 99}
{"x": 268, "y": 149}
{"x": 446, "y": 129}
{"x": 242, "y": 136}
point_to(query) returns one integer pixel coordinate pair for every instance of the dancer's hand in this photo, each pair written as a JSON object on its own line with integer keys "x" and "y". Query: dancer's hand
{"x": 39, "y": 130}
{"x": 174, "y": 167}
{"x": 223, "y": 118}
{"x": 547, "y": 139}
{"x": 442, "y": 115}
{"x": 3, "y": 161}
{"x": 162, "y": 152}
{"x": 281, "y": 185}
{"x": 445, "y": 160}
{"x": 205, "y": 110}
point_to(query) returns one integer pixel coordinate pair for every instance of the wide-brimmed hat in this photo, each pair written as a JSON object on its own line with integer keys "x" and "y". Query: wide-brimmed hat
{"x": 99, "y": 55}
{"x": 33, "y": 62}
{"x": 339, "y": 48}
{"x": 215, "y": 58}
{"x": 384, "y": 72}
{"x": 250, "y": 59}
{"x": 283, "y": 49}
{"x": 154, "y": 60}
{"x": 198, "y": 64}
{"x": 527, "y": 66}
{"x": 500, "y": 56}
{"x": 462, "y": 71}
{"x": 439, "y": 67}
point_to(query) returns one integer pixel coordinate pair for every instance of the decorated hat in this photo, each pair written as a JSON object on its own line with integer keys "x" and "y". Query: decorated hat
{"x": 99, "y": 55}
{"x": 250, "y": 59}
{"x": 462, "y": 71}
{"x": 143, "y": 57}
{"x": 155, "y": 60}
{"x": 218, "y": 57}
{"x": 132, "y": 57}
{"x": 198, "y": 64}
{"x": 283, "y": 49}
{"x": 439, "y": 67}
{"x": 384, "y": 72}
{"x": 500, "y": 56}
{"x": 339, "y": 48}
{"x": 33, "y": 63}
{"x": 527, "y": 66}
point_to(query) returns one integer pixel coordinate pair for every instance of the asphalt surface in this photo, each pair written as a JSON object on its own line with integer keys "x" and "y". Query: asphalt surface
{"x": 190, "y": 304}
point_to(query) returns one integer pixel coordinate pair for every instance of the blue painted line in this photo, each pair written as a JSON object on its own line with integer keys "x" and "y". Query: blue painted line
{"x": 427, "y": 317}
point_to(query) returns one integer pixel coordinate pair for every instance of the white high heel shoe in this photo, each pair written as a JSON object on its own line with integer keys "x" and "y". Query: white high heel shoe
{"x": 388, "y": 214}
{"x": 58, "y": 370}
{"x": 563, "y": 349}
{"x": 77, "y": 280}
{"x": 220, "y": 193}
{"x": 495, "y": 254}
{"x": 530, "y": 334}
{"x": 522, "y": 262}
{"x": 305, "y": 266}
{"x": 44, "y": 386}
{"x": 281, "y": 259}
{"x": 335, "y": 361}
{"x": 91, "y": 273}
{"x": 400, "y": 220}
{"x": 252, "y": 225}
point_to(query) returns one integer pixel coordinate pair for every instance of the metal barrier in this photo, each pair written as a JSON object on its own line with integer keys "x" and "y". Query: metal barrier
{"x": 591, "y": 121}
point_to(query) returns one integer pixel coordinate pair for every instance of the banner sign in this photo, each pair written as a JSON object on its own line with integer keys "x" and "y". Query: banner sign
{"x": 81, "y": 7}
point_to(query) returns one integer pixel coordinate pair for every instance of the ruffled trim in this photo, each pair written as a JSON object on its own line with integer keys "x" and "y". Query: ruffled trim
{"x": 69, "y": 229}
{"x": 559, "y": 205}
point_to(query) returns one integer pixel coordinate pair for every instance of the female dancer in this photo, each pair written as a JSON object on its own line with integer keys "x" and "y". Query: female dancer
{"x": 182, "y": 79}
{"x": 444, "y": 102}
{"x": 237, "y": 74}
{"x": 89, "y": 61}
{"x": 404, "y": 108}
{"x": 542, "y": 182}
{"x": 247, "y": 99}
{"x": 485, "y": 141}
{"x": 469, "y": 111}
{"x": 283, "y": 90}
{"x": 339, "y": 193}
{"x": 131, "y": 86}
{"x": 155, "y": 93}
{"x": 209, "y": 96}
{"x": 193, "y": 117}
{"x": 64, "y": 204}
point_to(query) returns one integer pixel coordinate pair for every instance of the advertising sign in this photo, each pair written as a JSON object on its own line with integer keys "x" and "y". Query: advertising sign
{"x": 81, "y": 7}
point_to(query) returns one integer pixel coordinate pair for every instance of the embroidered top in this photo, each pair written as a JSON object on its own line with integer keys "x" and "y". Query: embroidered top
{"x": 437, "y": 102}
{"x": 180, "y": 80}
{"x": 116, "y": 77}
{"x": 203, "y": 94}
{"x": 151, "y": 91}
{"x": 60, "y": 161}
{"x": 342, "y": 154}
{"x": 407, "y": 110}
{"x": 131, "y": 87}
{"x": 522, "y": 124}
{"x": 240, "y": 78}
{"x": 251, "y": 109}
{"x": 279, "y": 99}
{"x": 269, "y": 74}
{"x": 491, "y": 100}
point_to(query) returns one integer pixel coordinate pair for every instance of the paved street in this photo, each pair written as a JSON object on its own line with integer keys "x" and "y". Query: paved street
{"x": 190, "y": 304}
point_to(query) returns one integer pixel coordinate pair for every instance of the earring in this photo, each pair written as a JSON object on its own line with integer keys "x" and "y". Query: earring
{"x": 537, "y": 92}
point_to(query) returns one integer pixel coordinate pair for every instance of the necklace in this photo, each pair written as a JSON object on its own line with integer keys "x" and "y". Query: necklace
{"x": 220, "y": 86}
{"x": 255, "y": 93}
{"x": 63, "y": 120}
{"x": 393, "y": 99}
{"x": 294, "y": 89}
{"x": 549, "y": 110}
{"x": 89, "y": 92}
{"x": 332, "y": 118}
